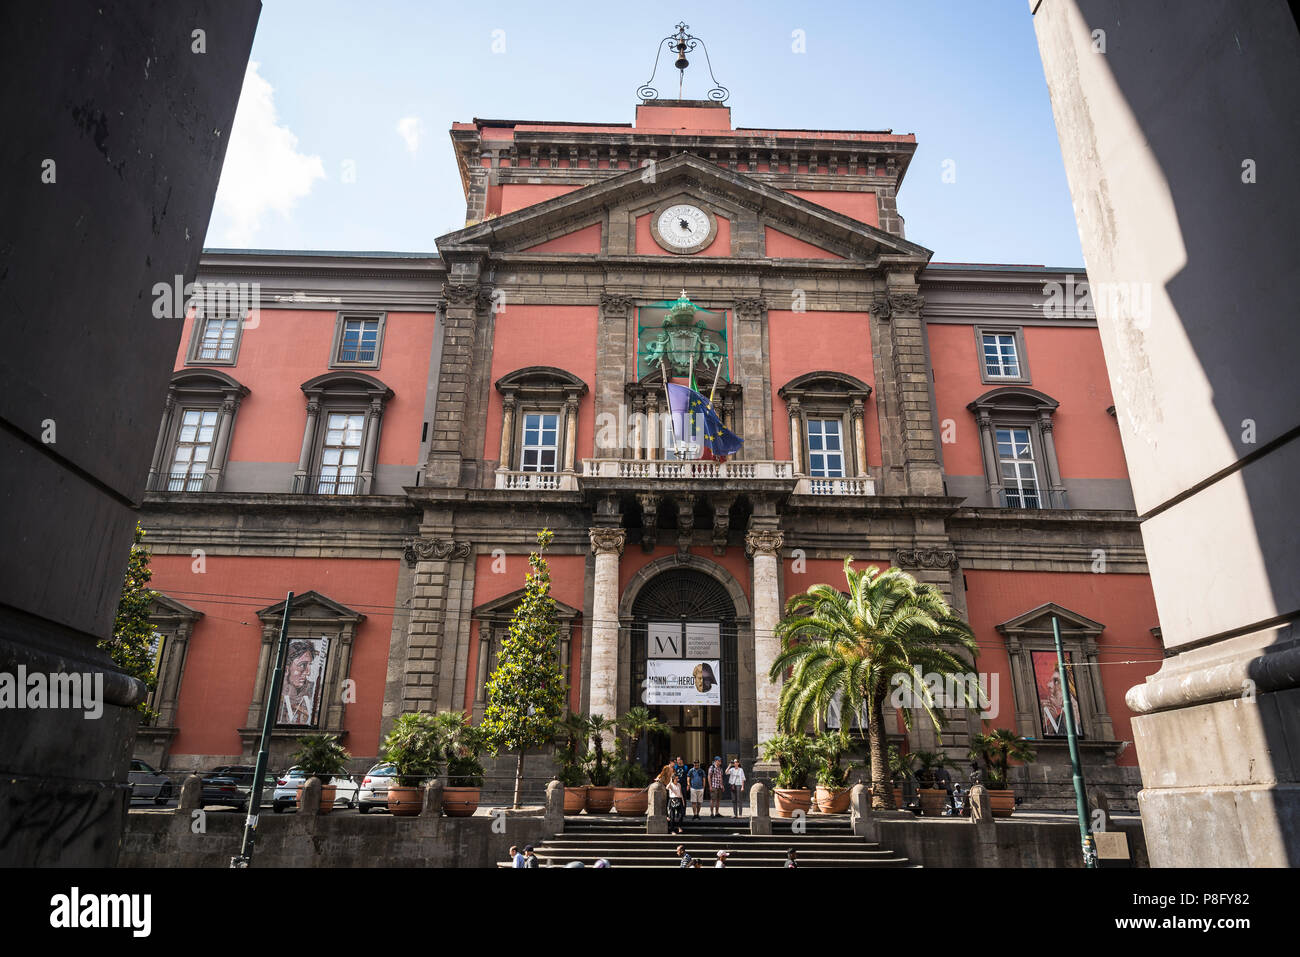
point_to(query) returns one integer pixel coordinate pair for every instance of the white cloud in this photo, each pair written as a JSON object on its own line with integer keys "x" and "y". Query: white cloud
{"x": 408, "y": 128}
{"x": 263, "y": 170}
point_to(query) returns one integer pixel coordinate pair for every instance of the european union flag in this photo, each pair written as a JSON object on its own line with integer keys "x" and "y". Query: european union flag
{"x": 701, "y": 422}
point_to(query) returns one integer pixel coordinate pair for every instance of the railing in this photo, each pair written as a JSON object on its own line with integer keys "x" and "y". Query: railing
{"x": 537, "y": 481}
{"x": 835, "y": 486}
{"x": 181, "y": 482}
{"x": 1040, "y": 499}
{"x": 686, "y": 469}
{"x": 328, "y": 485}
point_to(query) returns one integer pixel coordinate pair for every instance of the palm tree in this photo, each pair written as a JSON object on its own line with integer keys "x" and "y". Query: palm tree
{"x": 888, "y": 629}
{"x": 998, "y": 749}
{"x": 599, "y": 727}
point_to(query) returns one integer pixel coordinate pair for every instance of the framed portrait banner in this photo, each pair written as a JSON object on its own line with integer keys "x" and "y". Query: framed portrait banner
{"x": 683, "y": 681}
{"x": 703, "y": 639}
{"x": 663, "y": 639}
{"x": 303, "y": 682}
{"x": 1051, "y": 695}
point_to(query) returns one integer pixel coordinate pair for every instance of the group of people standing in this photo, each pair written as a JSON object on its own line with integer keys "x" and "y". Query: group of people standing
{"x": 681, "y": 780}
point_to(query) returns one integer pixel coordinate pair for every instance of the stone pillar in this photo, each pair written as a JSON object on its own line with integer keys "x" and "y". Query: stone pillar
{"x": 1055, "y": 485}
{"x": 860, "y": 816}
{"x": 859, "y": 436}
{"x": 613, "y": 355}
{"x": 459, "y": 331}
{"x": 651, "y": 425}
{"x": 553, "y": 815}
{"x": 370, "y": 445}
{"x": 764, "y": 544}
{"x": 427, "y": 641}
{"x": 911, "y": 382}
{"x": 308, "y": 438}
{"x": 760, "y": 815}
{"x": 749, "y": 366}
{"x": 160, "y": 445}
{"x": 656, "y": 819}
{"x": 637, "y": 427}
{"x": 796, "y": 435}
{"x": 221, "y": 448}
{"x": 570, "y": 432}
{"x": 607, "y": 543}
{"x": 508, "y": 403}
{"x": 992, "y": 474}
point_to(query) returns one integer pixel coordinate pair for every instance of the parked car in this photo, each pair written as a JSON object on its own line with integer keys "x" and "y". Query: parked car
{"x": 288, "y": 783}
{"x": 231, "y": 784}
{"x": 374, "y": 788}
{"x": 148, "y": 783}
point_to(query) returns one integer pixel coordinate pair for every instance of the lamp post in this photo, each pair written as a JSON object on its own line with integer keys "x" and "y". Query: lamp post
{"x": 1080, "y": 797}
{"x": 245, "y": 856}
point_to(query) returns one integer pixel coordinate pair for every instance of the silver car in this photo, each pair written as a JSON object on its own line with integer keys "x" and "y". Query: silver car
{"x": 287, "y": 785}
{"x": 148, "y": 783}
{"x": 374, "y": 788}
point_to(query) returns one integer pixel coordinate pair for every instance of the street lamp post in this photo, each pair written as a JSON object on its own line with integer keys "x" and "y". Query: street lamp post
{"x": 1080, "y": 796}
{"x": 245, "y": 856}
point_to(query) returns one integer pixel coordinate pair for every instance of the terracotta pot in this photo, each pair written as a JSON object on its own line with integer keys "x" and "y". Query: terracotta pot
{"x": 405, "y": 801}
{"x": 460, "y": 802}
{"x": 898, "y": 799}
{"x": 327, "y": 795}
{"x": 789, "y": 800}
{"x": 599, "y": 799}
{"x": 830, "y": 801}
{"x": 631, "y": 802}
{"x": 1003, "y": 802}
{"x": 575, "y": 799}
{"x": 933, "y": 801}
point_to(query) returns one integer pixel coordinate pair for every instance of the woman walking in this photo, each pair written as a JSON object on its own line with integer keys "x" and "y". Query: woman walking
{"x": 676, "y": 804}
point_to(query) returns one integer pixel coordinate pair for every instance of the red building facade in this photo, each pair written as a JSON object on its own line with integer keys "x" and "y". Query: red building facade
{"x": 385, "y": 434}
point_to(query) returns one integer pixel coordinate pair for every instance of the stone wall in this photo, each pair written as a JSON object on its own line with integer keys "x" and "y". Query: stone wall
{"x": 957, "y": 842}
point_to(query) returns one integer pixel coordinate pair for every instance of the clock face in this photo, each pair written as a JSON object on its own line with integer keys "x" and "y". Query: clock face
{"x": 684, "y": 226}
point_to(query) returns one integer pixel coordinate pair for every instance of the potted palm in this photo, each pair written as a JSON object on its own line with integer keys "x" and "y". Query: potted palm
{"x": 631, "y": 780}
{"x": 571, "y": 752}
{"x": 997, "y": 749}
{"x": 794, "y": 761}
{"x": 413, "y": 747}
{"x": 600, "y": 796}
{"x": 832, "y": 794}
{"x": 887, "y": 629}
{"x": 461, "y": 746}
{"x": 321, "y": 756}
{"x": 901, "y": 775}
{"x": 933, "y": 796}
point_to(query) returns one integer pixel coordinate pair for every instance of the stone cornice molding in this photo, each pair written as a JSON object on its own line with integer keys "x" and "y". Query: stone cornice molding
{"x": 434, "y": 549}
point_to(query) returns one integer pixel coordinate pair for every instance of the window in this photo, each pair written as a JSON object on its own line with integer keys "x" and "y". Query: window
{"x": 493, "y": 619}
{"x": 341, "y": 459}
{"x": 541, "y": 442}
{"x": 358, "y": 340}
{"x": 1016, "y": 461}
{"x": 1002, "y": 356}
{"x": 825, "y": 448}
{"x": 193, "y": 452}
{"x": 218, "y": 341}
{"x": 195, "y": 431}
{"x": 173, "y": 622}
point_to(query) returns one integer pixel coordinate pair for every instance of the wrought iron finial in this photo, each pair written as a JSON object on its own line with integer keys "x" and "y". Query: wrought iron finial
{"x": 682, "y": 43}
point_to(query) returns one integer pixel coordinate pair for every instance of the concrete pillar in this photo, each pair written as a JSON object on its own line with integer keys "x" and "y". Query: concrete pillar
{"x": 507, "y": 431}
{"x": 553, "y": 817}
{"x": 859, "y": 437}
{"x": 570, "y": 432}
{"x": 432, "y": 799}
{"x": 308, "y": 436}
{"x": 796, "y": 436}
{"x": 764, "y": 544}
{"x": 860, "y": 817}
{"x": 607, "y": 543}
{"x": 760, "y": 815}
{"x": 656, "y": 819}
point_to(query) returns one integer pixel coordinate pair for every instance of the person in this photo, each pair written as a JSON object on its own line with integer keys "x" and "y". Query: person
{"x": 516, "y": 856}
{"x": 676, "y": 806}
{"x": 696, "y": 777}
{"x": 530, "y": 858}
{"x": 790, "y": 858}
{"x": 683, "y": 774}
{"x": 299, "y": 692}
{"x": 601, "y": 862}
{"x": 1054, "y": 709}
{"x": 722, "y": 859}
{"x": 687, "y": 860}
{"x": 736, "y": 778}
{"x": 716, "y": 778}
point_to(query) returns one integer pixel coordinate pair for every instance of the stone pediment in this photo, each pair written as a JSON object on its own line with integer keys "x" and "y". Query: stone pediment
{"x": 311, "y": 606}
{"x": 1038, "y": 621}
{"x": 750, "y": 206}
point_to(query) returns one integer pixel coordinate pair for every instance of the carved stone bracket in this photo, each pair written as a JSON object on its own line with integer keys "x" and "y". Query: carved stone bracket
{"x": 459, "y": 293}
{"x": 605, "y": 540}
{"x": 434, "y": 549}
{"x": 753, "y": 308}
{"x": 925, "y": 558}
{"x": 613, "y": 305}
{"x": 764, "y": 541}
{"x": 649, "y": 503}
{"x": 685, "y": 522}
{"x": 721, "y": 523}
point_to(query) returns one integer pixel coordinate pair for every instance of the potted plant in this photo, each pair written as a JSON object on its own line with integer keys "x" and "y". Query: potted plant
{"x": 321, "y": 756}
{"x": 832, "y": 794}
{"x": 997, "y": 749}
{"x": 571, "y": 752}
{"x": 600, "y": 796}
{"x": 631, "y": 797}
{"x": 461, "y": 746}
{"x": 934, "y": 797}
{"x": 902, "y": 776}
{"x": 790, "y": 786}
{"x": 413, "y": 748}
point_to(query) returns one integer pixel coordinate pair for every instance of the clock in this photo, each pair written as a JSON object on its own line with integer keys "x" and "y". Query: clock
{"x": 683, "y": 228}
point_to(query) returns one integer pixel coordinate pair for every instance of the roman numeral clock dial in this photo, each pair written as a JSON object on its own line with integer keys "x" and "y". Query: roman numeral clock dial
{"x": 684, "y": 228}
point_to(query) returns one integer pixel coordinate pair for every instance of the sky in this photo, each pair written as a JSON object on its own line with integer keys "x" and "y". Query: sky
{"x": 341, "y": 138}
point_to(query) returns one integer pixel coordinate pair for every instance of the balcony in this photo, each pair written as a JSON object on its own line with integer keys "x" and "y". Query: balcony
{"x": 185, "y": 481}
{"x": 690, "y": 469}
{"x": 328, "y": 484}
{"x": 537, "y": 481}
{"x": 835, "y": 486}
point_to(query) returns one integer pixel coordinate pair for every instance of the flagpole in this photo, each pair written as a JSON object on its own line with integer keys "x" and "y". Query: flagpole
{"x": 717, "y": 372}
{"x": 672, "y": 432}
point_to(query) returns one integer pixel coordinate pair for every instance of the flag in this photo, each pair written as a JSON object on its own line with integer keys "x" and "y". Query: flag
{"x": 697, "y": 422}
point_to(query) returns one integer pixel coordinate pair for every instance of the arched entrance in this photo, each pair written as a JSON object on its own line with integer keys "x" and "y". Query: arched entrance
{"x": 684, "y": 631}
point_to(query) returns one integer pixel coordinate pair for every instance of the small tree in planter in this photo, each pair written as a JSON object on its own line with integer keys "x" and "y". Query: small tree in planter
{"x": 794, "y": 761}
{"x": 828, "y": 750}
{"x": 997, "y": 749}
{"x": 600, "y": 796}
{"x": 321, "y": 756}
{"x": 526, "y": 694}
{"x": 631, "y": 778}
{"x": 413, "y": 747}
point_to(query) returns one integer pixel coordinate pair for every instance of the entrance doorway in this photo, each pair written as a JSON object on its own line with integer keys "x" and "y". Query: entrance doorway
{"x": 684, "y": 667}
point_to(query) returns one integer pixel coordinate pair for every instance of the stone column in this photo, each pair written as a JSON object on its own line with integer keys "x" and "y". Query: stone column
{"x": 308, "y": 436}
{"x": 570, "y": 432}
{"x": 796, "y": 435}
{"x": 459, "y": 332}
{"x": 370, "y": 447}
{"x": 507, "y": 431}
{"x": 160, "y": 446}
{"x": 607, "y": 543}
{"x": 637, "y": 427}
{"x": 438, "y": 564}
{"x": 221, "y": 448}
{"x": 764, "y": 544}
{"x": 651, "y": 425}
{"x": 1056, "y": 487}
{"x": 911, "y": 382}
{"x": 859, "y": 436}
{"x": 992, "y": 476}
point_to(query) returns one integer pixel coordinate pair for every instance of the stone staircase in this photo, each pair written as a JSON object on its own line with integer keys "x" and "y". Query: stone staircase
{"x": 827, "y": 841}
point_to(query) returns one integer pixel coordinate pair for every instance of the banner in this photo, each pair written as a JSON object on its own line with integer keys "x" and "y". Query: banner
{"x": 682, "y": 681}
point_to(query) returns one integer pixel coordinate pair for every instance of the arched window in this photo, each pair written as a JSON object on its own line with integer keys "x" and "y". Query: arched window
{"x": 539, "y": 426}
{"x": 194, "y": 435}
{"x": 341, "y": 440}
{"x": 1019, "y": 450}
